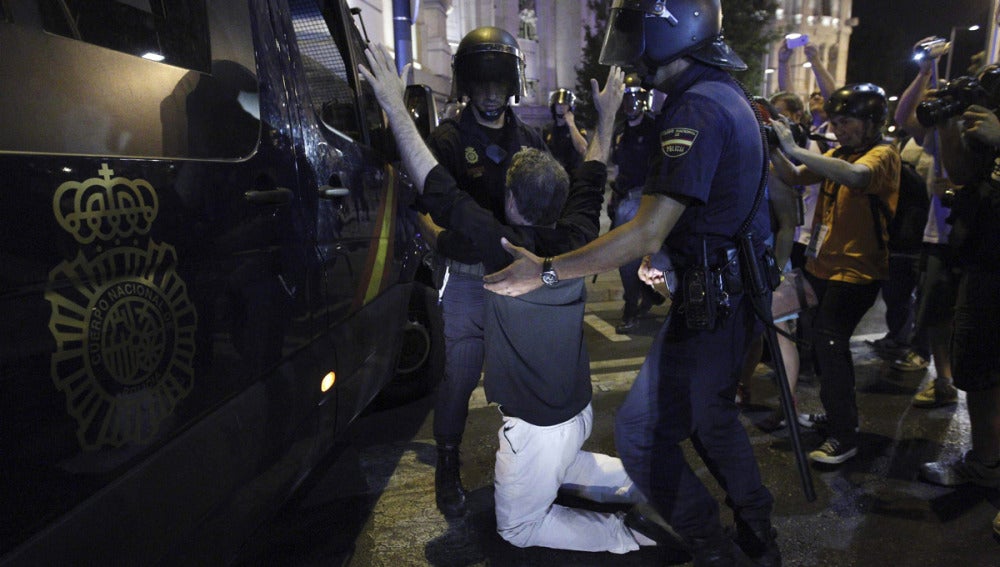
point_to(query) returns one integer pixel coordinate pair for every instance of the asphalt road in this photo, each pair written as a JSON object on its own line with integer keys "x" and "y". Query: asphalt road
{"x": 373, "y": 503}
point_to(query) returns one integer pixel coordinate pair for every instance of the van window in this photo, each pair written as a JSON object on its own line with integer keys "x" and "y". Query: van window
{"x": 329, "y": 80}
{"x": 146, "y": 28}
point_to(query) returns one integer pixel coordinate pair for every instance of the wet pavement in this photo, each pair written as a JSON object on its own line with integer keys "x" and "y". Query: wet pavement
{"x": 373, "y": 504}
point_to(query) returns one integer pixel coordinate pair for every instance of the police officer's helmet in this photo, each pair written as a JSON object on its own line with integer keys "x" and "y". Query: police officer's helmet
{"x": 636, "y": 99}
{"x": 562, "y": 96}
{"x": 652, "y": 33}
{"x": 488, "y": 54}
{"x": 865, "y": 101}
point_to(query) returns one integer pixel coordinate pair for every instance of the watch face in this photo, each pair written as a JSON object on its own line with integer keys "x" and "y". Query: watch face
{"x": 550, "y": 278}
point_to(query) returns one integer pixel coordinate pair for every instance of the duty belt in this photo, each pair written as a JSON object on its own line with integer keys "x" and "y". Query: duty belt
{"x": 457, "y": 267}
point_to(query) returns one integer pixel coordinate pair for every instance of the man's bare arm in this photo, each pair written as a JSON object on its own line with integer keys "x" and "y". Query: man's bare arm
{"x": 854, "y": 176}
{"x": 389, "y": 87}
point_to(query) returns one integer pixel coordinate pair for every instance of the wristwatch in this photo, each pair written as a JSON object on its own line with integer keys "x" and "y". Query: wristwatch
{"x": 549, "y": 276}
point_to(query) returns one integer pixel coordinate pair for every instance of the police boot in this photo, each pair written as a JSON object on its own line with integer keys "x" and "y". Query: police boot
{"x": 717, "y": 550}
{"x": 757, "y": 540}
{"x": 448, "y": 489}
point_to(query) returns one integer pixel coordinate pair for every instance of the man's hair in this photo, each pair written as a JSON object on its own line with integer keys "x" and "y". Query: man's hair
{"x": 539, "y": 185}
{"x": 792, "y": 101}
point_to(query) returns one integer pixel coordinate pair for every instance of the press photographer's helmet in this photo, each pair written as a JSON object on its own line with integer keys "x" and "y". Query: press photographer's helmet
{"x": 488, "y": 54}
{"x": 865, "y": 101}
{"x": 653, "y": 33}
{"x": 637, "y": 99}
{"x": 562, "y": 96}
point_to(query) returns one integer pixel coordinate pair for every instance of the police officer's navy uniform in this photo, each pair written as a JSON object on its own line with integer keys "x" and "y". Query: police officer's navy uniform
{"x": 631, "y": 155}
{"x": 560, "y": 143}
{"x": 478, "y": 158}
{"x": 710, "y": 157}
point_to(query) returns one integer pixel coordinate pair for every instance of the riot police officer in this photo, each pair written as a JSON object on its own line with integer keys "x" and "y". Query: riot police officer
{"x": 566, "y": 142}
{"x": 703, "y": 193}
{"x": 475, "y": 148}
{"x": 633, "y": 146}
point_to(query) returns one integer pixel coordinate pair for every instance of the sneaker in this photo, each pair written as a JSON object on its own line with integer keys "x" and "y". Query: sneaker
{"x": 910, "y": 363}
{"x": 813, "y": 420}
{"x": 934, "y": 396}
{"x": 773, "y": 422}
{"x": 833, "y": 452}
{"x": 968, "y": 469}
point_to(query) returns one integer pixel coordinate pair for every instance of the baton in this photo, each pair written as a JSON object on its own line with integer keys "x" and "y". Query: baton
{"x": 758, "y": 292}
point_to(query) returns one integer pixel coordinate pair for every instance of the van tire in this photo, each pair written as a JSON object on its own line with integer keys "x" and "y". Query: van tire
{"x": 420, "y": 365}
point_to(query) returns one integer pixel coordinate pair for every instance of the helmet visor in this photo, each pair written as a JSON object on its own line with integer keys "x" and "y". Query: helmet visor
{"x": 624, "y": 42}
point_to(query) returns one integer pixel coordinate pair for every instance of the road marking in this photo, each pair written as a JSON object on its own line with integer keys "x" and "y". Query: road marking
{"x": 604, "y": 328}
{"x": 617, "y": 362}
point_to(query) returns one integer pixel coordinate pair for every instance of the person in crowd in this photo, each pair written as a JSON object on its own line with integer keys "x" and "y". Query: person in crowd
{"x": 476, "y": 149}
{"x": 825, "y": 84}
{"x": 969, "y": 145}
{"x": 537, "y": 366}
{"x": 704, "y": 191}
{"x": 938, "y": 282}
{"x": 784, "y": 204}
{"x": 633, "y": 147}
{"x": 847, "y": 258}
{"x": 566, "y": 142}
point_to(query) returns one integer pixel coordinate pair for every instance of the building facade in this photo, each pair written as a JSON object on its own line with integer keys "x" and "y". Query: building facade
{"x": 550, "y": 33}
{"x": 829, "y": 24}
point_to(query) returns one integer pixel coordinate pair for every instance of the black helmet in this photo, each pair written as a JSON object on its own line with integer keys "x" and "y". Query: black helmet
{"x": 562, "y": 96}
{"x": 656, "y": 32}
{"x": 862, "y": 100}
{"x": 636, "y": 99}
{"x": 488, "y": 54}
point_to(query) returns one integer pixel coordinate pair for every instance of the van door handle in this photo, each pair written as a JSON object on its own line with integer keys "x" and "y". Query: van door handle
{"x": 328, "y": 192}
{"x": 276, "y": 196}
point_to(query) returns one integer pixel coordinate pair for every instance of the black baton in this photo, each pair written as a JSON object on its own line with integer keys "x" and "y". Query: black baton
{"x": 754, "y": 282}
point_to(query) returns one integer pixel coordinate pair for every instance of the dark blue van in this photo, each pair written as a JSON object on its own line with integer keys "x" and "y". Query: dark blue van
{"x": 207, "y": 267}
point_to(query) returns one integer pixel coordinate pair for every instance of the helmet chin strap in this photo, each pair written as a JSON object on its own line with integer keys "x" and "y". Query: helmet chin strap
{"x": 492, "y": 114}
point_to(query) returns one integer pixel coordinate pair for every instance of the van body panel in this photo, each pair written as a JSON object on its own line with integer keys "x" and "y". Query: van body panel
{"x": 186, "y": 254}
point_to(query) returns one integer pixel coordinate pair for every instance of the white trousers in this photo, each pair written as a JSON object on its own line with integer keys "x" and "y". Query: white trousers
{"x": 534, "y": 462}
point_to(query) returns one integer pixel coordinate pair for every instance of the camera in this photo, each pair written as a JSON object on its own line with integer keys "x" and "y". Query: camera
{"x": 794, "y": 40}
{"x": 933, "y": 47}
{"x": 959, "y": 95}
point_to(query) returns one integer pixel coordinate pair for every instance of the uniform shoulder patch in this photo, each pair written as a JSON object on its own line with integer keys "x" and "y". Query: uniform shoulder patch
{"x": 675, "y": 142}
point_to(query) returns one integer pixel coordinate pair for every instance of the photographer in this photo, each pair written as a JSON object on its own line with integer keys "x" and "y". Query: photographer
{"x": 931, "y": 339}
{"x": 847, "y": 257}
{"x": 969, "y": 149}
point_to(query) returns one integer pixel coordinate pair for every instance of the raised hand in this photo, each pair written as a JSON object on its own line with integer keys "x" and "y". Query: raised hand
{"x": 388, "y": 85}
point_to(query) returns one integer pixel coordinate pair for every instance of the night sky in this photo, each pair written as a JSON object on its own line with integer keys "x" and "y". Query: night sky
{"x": 882, "y": 43}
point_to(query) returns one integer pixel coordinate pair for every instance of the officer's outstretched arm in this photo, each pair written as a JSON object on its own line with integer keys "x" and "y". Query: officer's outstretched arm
{"x": 389, "y": 87}
{"x": 642, "y": 235}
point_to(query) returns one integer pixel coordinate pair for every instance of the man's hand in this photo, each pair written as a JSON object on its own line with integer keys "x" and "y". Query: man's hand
{"x": 522, "y": 276}
{"x": 784, "y": 133}
{"x": 381, "y": 74}
{"x": 982, "y": 125}
{"x": 608, "y": 99}
{"x": 811, "y": 52}
{"x": 784, "y": 54}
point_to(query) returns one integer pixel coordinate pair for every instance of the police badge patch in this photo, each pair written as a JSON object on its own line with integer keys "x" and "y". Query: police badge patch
{"x": 675, "y": 142}
{"x": 470, "y": 155}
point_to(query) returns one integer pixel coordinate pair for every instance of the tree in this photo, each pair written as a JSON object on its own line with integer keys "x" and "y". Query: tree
{"x": 745, "y": 25}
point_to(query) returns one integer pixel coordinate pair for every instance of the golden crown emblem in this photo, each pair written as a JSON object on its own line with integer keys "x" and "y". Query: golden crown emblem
{"x": 105, "y": 207}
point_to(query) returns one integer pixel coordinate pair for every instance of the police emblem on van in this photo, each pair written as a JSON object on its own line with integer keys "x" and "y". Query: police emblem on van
{"x": 675, "y": 142}
{"x": 121, "y": 318}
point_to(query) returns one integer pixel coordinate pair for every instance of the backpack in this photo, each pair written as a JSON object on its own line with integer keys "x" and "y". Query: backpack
{"x": 906, "y": 226}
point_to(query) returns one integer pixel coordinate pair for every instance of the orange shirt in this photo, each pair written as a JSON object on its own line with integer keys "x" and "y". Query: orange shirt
{"x": 851, "y": 252}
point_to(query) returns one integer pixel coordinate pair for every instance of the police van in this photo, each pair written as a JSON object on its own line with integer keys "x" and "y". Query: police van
{"x": 208, "y": 269}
